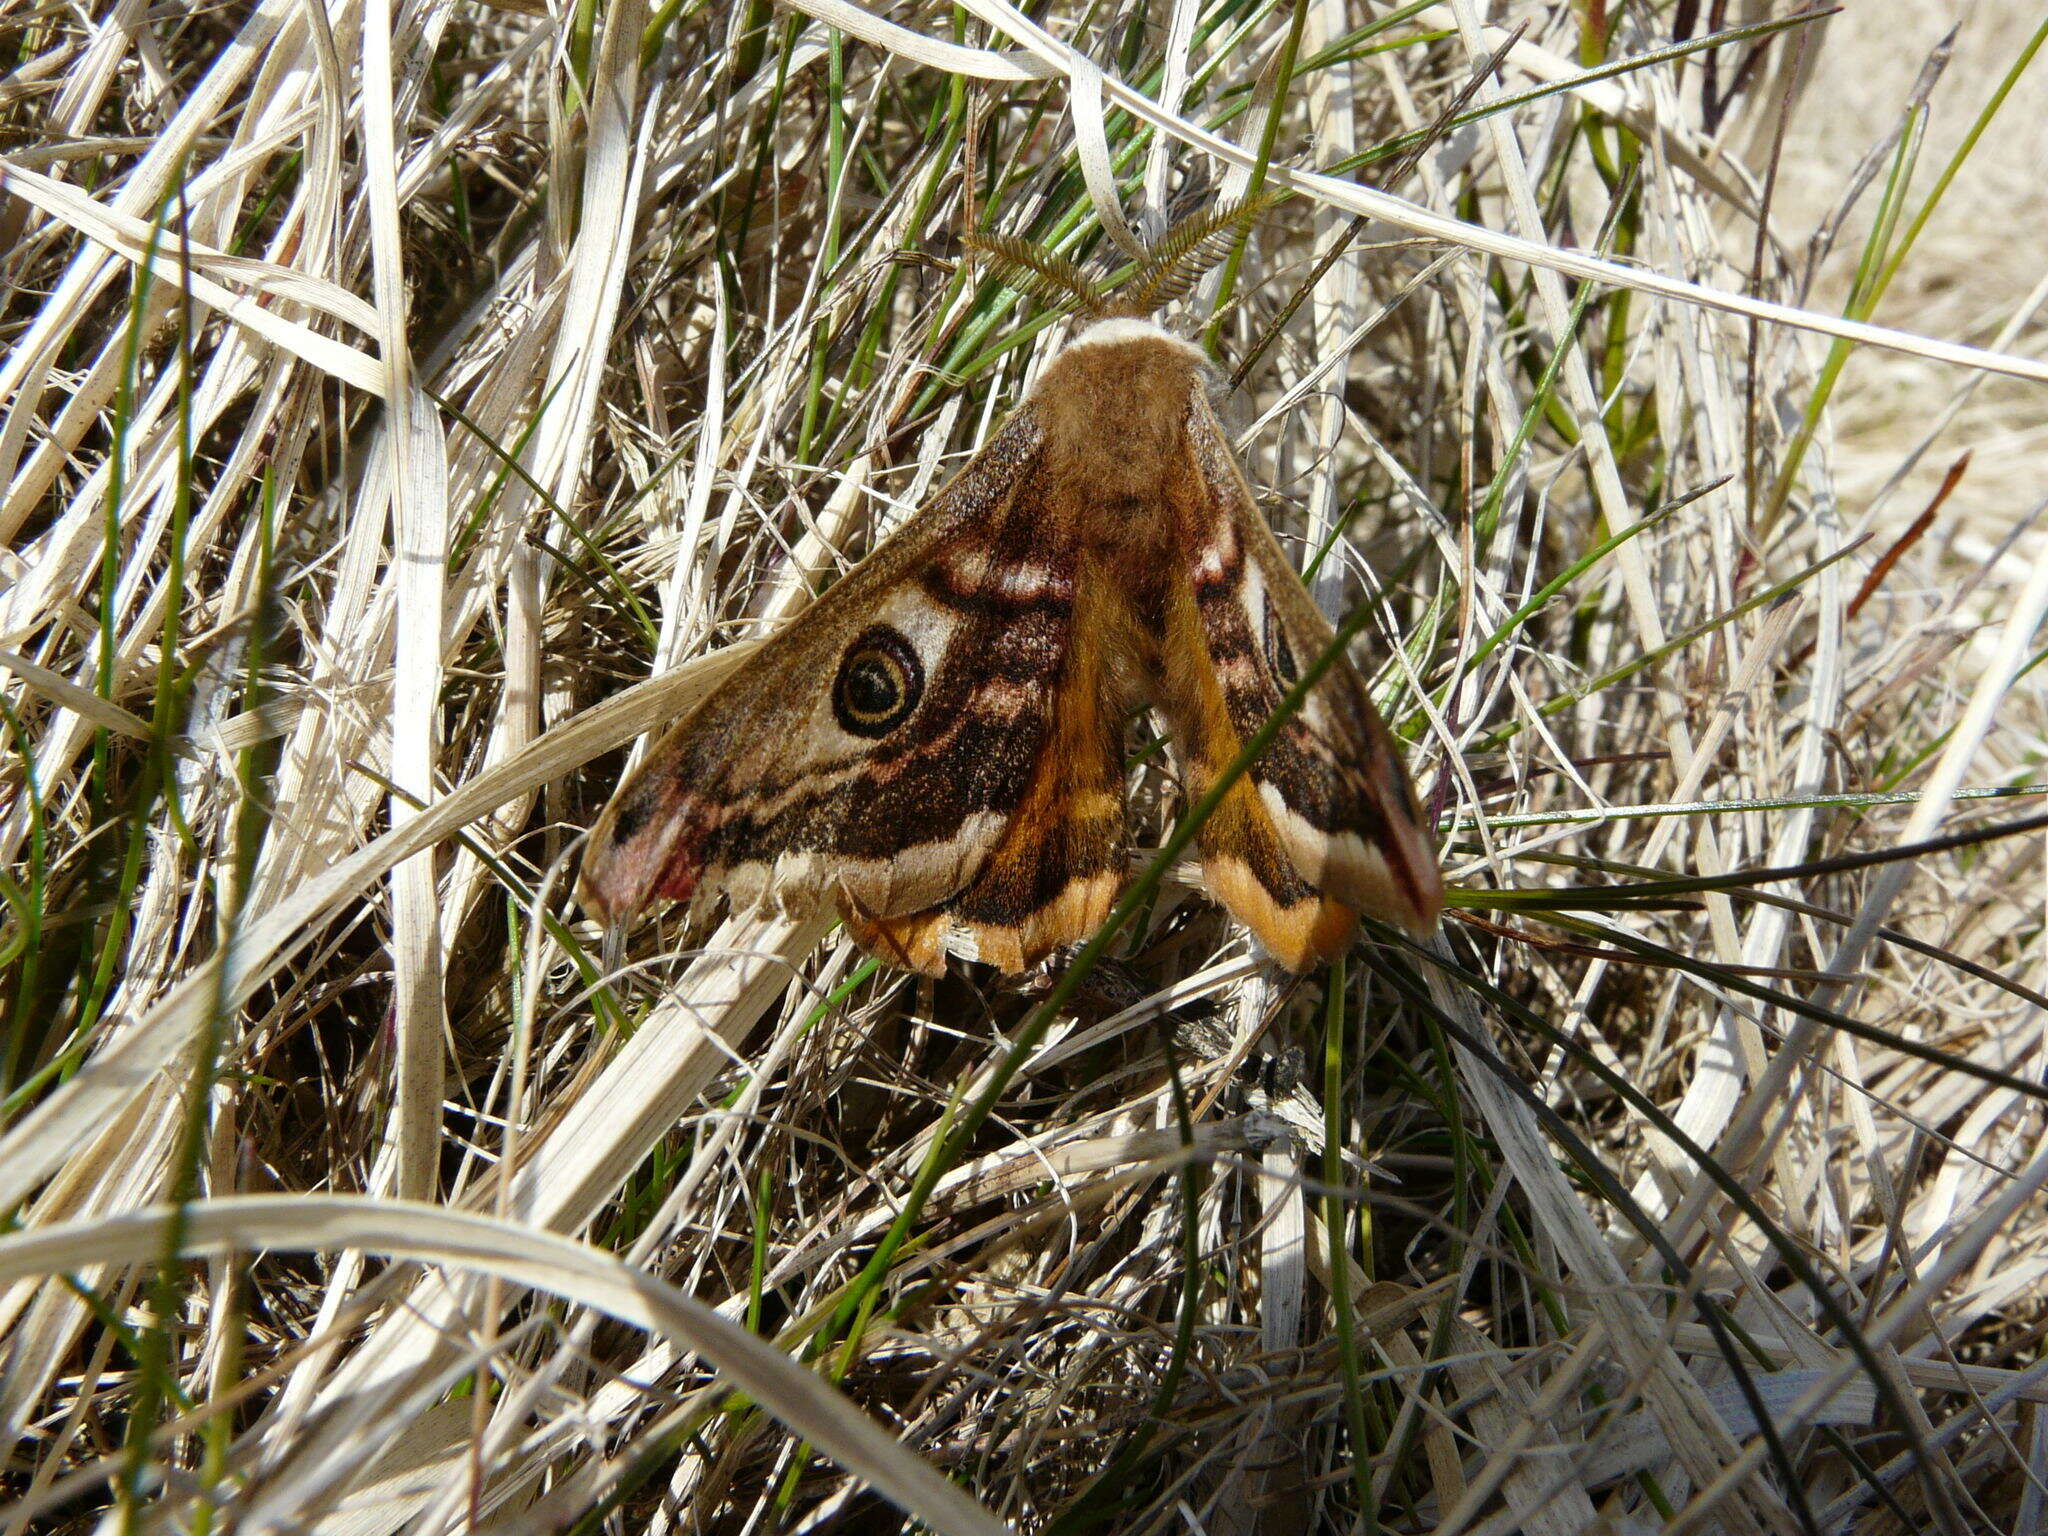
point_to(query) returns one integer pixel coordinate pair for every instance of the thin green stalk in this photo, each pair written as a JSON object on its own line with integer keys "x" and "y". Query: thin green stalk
{"x": 757, "y": 1267}
{"x": 1879, "y": 265}
{"x": 1678, "y": 642}
{"x": 153, "y": 1378}
{"x": 1541, "y": 597}
{"x": 27, "y": 903}
{"x": 828, "y": 256}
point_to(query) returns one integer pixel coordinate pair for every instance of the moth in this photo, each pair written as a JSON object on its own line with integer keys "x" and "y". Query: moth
{"x": 936, "y": 745}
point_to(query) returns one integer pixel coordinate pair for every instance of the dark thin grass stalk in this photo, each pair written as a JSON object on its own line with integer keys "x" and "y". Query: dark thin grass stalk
{"x": 1512, "y": 101}
{"x": 861, "y": 375}
{"x": 94, "y": 982}
{"x": 1679, "y": 642}
{"x": 1614, "y": 1193}
{"x": 1940, "y": 740}
{"x": 1541, "y": 597}
{"x": 1486, "y": 517}
{"x": 757, "y": 1265}
{"x": 1619, "y": 242}
{"x": 1427, "y": 38}
{"x": 859, "y": 371}
{"x": 1472, "y": 1168}
{"x": 510, "y": 466}
{"x": 1829, "y": 915}
{"x": 286, "y": 173}
{"x": 24, "y": 949}
{"x": 1848, "y": 800}
{"x": 764, "y": 141}
{"x": 1336, "y": 1230}
{"x": 1395, "y": 175}
{"x": 1105, "y": 1492}
{"x": 1760, "y": 252}
{"x": 1731, "y": 979}
{"x": 1812, "y": 869}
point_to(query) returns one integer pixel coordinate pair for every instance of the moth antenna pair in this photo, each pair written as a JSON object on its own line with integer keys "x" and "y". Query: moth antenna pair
{"x": 1185, "y": 253}
{"x": 1168, "y": 272}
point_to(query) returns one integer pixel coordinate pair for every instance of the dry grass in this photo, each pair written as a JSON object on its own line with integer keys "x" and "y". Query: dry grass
{"x": 381, "y": 412}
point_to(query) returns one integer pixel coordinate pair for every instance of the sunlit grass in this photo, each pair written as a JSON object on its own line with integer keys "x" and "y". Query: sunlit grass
{"x": 1633, "y": 1208}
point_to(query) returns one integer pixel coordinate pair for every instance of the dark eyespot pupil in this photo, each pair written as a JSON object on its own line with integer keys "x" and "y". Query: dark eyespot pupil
{"x": 871, "y": 687}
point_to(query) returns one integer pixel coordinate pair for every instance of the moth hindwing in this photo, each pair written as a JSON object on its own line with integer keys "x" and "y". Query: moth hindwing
{"x": 934, "y": 747}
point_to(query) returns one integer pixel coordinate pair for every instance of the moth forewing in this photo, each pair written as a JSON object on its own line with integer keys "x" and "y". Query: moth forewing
{"x": 824, "y": 768}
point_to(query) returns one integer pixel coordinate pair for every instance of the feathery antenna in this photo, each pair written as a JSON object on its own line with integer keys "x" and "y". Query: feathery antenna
{"x": 1185, "y": 252}
{"x": 1031, "y": 269}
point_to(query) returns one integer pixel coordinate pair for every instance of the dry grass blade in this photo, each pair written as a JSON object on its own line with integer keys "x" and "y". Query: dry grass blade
{"x": 537, "y": 1260}
{"x": 405, "y": 408}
